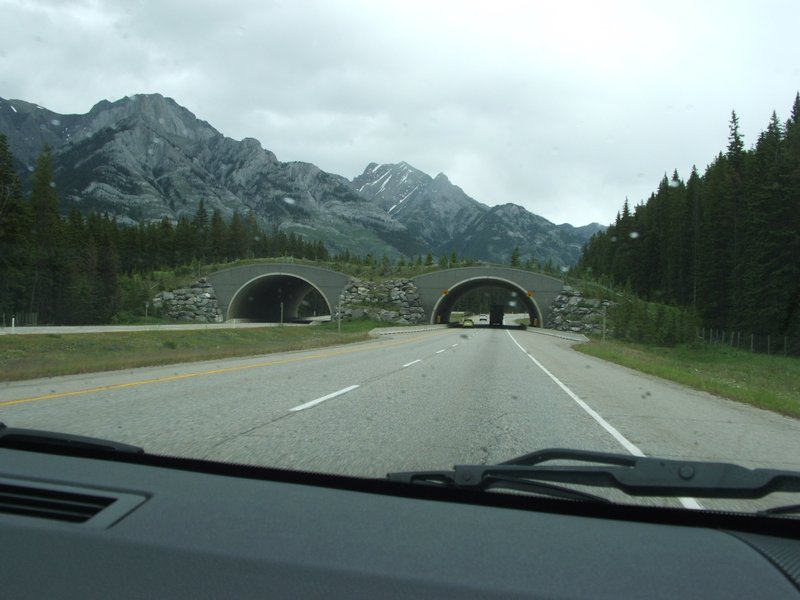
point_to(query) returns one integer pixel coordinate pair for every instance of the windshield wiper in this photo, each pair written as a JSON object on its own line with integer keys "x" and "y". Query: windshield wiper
{"x": 32, "y": 439}
{"x": 789, "y": 509}
{"x": 634, "y": 475}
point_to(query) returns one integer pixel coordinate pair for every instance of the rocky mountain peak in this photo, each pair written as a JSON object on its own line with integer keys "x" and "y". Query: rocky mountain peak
{"x": 389, "y": 186}
{"x": 143, "y": 158}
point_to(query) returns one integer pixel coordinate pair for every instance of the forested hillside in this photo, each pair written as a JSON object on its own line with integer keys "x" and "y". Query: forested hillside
{"x": 726, "y": 243}
{"x": 84, "y": 269}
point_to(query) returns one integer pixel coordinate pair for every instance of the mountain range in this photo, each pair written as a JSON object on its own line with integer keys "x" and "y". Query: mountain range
{"x": 145, "y": 157}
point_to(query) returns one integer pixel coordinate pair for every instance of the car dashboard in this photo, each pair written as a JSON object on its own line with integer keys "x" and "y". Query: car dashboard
{"x": 99, "y": 525}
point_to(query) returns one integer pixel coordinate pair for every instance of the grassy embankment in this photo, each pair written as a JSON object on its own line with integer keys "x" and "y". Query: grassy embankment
{"x": 768, "y": 382}
{"x": 48, "y": 355}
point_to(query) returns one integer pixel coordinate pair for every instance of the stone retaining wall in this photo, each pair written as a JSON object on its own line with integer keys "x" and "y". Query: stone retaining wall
{"x": 196, "y": 303}
{"x": 392, "y": 300}
{"x": 570, "y": 311}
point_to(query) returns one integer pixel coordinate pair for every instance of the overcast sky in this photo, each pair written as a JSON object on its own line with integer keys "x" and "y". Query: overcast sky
{"x": 564, "y": 107}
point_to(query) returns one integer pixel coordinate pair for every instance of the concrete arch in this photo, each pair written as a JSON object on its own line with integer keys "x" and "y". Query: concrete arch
{"x": 270, "y": 298}
{"x": 446, "y": 302}
{"x": 270, "y": 284}
{"x": 537, "y": 291}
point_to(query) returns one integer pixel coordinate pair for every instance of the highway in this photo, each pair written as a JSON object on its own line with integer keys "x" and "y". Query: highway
{"x": 410, "y": 401}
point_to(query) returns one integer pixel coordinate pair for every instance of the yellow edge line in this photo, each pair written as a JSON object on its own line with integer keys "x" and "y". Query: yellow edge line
{"x": 272, "y": 363}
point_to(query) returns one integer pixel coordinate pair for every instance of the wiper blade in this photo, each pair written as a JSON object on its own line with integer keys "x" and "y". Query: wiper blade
{"x": 789, "y": 509}
{"x": 634, "y": 475}
{"x": 32, "y": 439}
{"x": 447, "y": 479}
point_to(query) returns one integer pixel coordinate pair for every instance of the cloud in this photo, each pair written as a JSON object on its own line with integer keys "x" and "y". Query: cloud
{"x": 567, "y": 108}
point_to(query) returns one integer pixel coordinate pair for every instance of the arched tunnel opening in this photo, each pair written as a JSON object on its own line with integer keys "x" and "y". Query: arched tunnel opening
{"x": 278, "y": 299}
{"x": 474, "y": 298}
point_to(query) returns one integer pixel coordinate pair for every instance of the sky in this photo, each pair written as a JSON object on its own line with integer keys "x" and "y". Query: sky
{"x": 564, "y": 107}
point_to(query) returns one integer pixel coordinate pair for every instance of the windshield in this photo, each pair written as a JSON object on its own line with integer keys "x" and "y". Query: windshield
{"x": 362, "y": 238}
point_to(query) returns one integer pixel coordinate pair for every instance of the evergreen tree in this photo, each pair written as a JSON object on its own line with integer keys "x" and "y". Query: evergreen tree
{"x": 45, "y": 286}
{"x": 237, "y": 243}
{"x": 217, "y": 237}
{"x": 107, "y": 287}
{"x": 788, "y": 216}
{"x": 200, "y": 229}
{"x": 15, "y": 226}
{"x": 254, "y": 236}
{"x": 725, "y": 243}
{"x": 81, "y": 272}
{"x": 764, "y": 265}
{"x": 184, "y": 242}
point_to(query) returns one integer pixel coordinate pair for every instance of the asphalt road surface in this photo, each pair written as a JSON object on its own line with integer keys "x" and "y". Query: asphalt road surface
{"x": 420, "y": 400}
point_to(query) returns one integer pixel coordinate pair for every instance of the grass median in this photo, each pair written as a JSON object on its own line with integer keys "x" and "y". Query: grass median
{"x": 766, "y": 381}
{"x": 49, "y": 355}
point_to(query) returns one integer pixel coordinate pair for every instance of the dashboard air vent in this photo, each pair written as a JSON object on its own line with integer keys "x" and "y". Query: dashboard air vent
{"x": 70, "y": 504}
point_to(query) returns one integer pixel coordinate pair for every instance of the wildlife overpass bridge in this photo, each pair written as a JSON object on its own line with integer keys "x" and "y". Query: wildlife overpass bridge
{"x": 273, "y": 292}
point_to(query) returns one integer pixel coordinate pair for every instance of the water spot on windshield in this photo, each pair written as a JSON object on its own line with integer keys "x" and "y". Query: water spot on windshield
{"x": 290, "y": 201}
{"x": 55, "y": 122}
{"x": 634, "y": 234}
{"x": 673, "y": 183}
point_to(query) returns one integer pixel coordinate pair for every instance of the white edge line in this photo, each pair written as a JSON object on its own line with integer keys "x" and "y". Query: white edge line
{"x": 413, "y": 362}
{"x": 319, "y": 400}
{"x": 440, "y": 351}
{"x": 627, "y": 444}
{"x": 454, "y": 345}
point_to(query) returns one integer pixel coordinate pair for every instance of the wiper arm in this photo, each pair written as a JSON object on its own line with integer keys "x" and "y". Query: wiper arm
{"x": 634, "y": 475}
{"x": 31, "y": 439}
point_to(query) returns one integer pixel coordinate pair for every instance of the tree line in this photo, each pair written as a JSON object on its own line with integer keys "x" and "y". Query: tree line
{"x": 78, "y": 269}
{"x": 725, "y": 244}
{"x": 89, "y": 269}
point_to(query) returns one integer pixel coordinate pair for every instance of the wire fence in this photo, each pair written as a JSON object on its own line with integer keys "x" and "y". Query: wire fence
{"x": 781, "y": 345}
